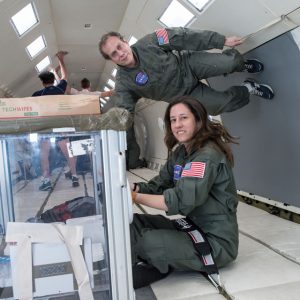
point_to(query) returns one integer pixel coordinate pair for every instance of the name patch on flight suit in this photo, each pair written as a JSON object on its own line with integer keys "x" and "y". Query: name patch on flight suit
{"x": 162, "y": 36}
{"x": 177, "y": 172}
{"x": 194, "y": 169}
{"x": 141, "y": 78}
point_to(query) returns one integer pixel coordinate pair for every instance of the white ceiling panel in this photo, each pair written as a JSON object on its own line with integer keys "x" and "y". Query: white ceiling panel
{"x": 62, "y": 23}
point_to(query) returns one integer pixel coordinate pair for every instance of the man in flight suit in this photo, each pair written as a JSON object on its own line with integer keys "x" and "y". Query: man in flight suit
{"x": 171, "y": 62}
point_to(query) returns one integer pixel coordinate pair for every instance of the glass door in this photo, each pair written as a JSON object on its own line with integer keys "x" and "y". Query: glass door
{"x": 73, "y": 179}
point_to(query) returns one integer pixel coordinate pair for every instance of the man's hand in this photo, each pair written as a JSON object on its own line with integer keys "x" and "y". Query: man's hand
{"x": 107, "y": 93}
{"x": 232, "y": 41}
{"x": 61, "y": 54}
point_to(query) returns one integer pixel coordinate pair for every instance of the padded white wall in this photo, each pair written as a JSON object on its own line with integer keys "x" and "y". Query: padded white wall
{"x": 149, "y": 131}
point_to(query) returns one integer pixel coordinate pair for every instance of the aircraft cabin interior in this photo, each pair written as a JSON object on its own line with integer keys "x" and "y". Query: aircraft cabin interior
{"x": 67, "y": 191}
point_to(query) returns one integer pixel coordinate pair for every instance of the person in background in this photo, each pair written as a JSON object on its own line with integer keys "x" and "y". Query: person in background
{"x": 197, "y": 182}
{"x": 172, "y": 62}
{"x": 48, "y": 79}
{"x": 86, "y": 90}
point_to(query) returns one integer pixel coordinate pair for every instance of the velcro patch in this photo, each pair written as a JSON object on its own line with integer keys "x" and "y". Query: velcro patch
{"x": 162, "y": 36}
{"x": 194, "y": 169}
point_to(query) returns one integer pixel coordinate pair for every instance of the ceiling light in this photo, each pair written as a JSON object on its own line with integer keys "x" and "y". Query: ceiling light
{"x": 43, "y": 64}
{"x": 25, "y": 19}
{"x": 114, "y": 72}
{"x": 36, "y": 46}
{"x": 176, "y": 15}
{"x": 132, "y": 40}
{"x": 199, "y": 4}
{"x": 111, "y": 83}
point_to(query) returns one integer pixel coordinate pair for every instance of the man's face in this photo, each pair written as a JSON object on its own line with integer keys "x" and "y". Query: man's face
{"x": 119, "y": 52}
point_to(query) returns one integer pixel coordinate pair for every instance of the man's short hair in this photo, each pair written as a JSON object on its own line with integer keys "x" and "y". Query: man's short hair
{"x": 104, "y": 39}
{"x": 47, "y": 77}
{"x": 85, "y": 83}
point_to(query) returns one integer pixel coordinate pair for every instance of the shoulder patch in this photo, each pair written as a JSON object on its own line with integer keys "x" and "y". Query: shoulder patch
{"x": 162, "y": 36}
{"x": 194, "y": 169}
{"x": 177, "y": 172}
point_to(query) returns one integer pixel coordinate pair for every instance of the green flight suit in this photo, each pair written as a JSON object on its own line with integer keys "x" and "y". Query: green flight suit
{"x": 174, "y": 67}
{"x": 209, "y": 199}
{"x": 133, "y": 151}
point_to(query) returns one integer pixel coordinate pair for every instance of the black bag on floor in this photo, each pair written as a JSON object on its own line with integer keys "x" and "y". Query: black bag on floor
{"x": 75, "y": 208}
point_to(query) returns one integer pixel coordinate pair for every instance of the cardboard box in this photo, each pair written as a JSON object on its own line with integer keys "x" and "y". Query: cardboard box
{"x": 47, "y": 106}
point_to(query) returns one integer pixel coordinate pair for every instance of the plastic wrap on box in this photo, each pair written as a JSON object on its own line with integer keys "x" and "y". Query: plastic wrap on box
{"x": 43, "y": 114}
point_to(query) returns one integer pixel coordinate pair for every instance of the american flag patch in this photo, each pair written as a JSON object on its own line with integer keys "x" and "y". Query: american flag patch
{"x": 162, "y": 36}
{"x": 194, "y": 169}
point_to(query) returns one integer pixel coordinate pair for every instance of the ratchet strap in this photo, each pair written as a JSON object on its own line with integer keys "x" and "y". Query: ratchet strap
{"x": 202, "y": 246}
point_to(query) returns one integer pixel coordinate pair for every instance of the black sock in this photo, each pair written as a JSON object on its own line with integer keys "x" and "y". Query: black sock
{"x": 144, "y": 275}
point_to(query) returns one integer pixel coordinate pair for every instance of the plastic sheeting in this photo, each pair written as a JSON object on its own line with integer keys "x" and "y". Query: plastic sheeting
{"x": 115, "y": 119}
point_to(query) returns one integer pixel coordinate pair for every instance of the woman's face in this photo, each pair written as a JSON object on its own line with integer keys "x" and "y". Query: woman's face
{"x": 183, "y": 123}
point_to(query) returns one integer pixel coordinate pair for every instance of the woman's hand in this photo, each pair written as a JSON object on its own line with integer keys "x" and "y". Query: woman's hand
{"x": 133, "y": 196}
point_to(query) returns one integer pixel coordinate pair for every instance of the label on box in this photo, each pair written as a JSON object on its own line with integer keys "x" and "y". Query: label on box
{"x": 47, "y": 106}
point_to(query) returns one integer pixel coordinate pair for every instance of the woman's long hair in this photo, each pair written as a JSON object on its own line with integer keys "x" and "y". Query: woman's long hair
{"x": 206, "y": 130}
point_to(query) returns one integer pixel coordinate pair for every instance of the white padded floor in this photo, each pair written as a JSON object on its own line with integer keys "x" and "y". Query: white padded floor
{"x": 267, "y": 267}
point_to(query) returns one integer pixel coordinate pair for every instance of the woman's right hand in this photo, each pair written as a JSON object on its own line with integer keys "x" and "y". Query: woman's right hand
{"x": 133, "y": 196}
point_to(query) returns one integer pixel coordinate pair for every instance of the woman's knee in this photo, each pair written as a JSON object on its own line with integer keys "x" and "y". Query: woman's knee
{"x": 150, "y": 242}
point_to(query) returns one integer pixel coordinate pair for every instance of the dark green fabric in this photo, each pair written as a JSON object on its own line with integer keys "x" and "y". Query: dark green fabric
{"x": 210, "y": 202}
{"x": 175, "y": 69}
{"x": 133, "y": 151}
{"x": 155, "y": 240}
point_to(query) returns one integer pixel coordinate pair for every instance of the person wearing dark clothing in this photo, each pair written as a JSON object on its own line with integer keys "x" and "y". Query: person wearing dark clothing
{"x": 172, "y": 61}
{"x": 47, "y": 79}
{"x": 197, "y": 182}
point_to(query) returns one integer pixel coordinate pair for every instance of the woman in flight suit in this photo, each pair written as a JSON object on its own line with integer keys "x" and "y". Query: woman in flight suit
{"x": 197, "y": 182}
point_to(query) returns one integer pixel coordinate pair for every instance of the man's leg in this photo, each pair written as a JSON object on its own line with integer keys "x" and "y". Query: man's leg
{"x": 71, "y": 161}
{"x": 206, "y": 64}
{"x": 133, "y": 160}
{"x": 44, "y": 154}
{"x": 217, "y": 102}
{"x": 233, "y": 98}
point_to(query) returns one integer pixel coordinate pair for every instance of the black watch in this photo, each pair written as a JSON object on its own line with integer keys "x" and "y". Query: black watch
{"x": 134, "y": 186}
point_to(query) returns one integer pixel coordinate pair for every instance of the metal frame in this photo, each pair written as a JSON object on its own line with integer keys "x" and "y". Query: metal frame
{"x": 116, "y": 203}
{"x": 110, "y": 173}
{"x": 6, "y": 207}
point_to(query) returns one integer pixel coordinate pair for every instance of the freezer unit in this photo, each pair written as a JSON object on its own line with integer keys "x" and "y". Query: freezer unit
{"x": 65, "y": 241}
